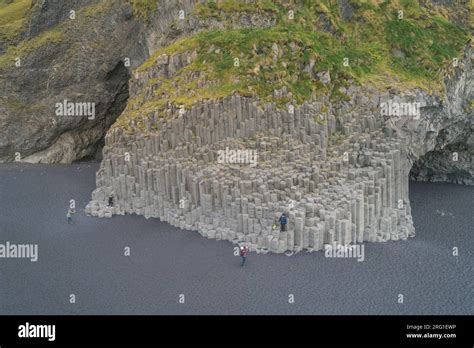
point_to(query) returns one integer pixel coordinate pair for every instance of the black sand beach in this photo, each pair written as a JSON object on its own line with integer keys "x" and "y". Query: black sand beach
{"x": 87, "y": 259}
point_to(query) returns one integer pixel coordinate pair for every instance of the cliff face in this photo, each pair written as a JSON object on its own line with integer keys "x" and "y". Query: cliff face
{"x": 227, "y": 128}
{"x": 339, "y": 171}
{"x": 82, "y": 59}
{"x": 447, "y": 138}
{"x": 47, "y": 57}
{"x": 62, "y": 55}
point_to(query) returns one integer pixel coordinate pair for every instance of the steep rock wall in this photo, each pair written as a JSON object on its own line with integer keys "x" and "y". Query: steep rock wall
{"x": 66, "y": 59}
{"x": 440, "y": 143}
{"x": 340, "y": 171}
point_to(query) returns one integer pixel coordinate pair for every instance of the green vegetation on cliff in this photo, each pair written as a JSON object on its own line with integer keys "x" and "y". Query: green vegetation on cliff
{"x": 7, "y": 60}
{"x": 391, "y": 43}
{"x": 63, "y": 33}
{"x": 142, "y": 8}
{"x": 13, "y": 16}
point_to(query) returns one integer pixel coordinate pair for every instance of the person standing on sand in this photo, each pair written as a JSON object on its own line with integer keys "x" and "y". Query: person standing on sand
{"x": 69, "y": 215}
{"x": 243, "y": 255}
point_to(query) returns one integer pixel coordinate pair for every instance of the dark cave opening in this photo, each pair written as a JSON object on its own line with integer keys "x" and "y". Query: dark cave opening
{"x": 116, "y": 84}
{"x": 453, "y": 164}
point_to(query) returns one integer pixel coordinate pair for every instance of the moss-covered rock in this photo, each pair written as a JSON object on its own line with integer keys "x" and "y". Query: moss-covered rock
{"x": 13, "y": 17}
{"x": 385, "y": 44}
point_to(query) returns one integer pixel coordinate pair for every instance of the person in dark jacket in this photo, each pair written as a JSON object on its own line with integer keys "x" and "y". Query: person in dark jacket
{"x": 244, "y": 250}
{"x": 283, "y": 222}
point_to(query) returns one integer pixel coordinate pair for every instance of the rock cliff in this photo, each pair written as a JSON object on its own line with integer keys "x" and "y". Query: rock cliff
{"x": 229, "y": 126}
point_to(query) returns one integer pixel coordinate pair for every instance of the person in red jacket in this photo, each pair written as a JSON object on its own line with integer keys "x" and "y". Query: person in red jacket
{"x": 244, "y": 250}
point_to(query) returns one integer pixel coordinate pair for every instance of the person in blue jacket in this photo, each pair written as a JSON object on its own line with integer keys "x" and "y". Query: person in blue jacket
{"x": 283, "y": 222}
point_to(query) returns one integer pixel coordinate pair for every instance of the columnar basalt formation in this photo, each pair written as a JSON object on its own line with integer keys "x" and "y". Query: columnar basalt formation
{"x": 333, "y": 161}
{"x": 341, "y": 172}
{"x": 340, "y": 178}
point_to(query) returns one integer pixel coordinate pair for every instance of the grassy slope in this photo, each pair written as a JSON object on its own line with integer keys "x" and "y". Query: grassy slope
{"x": 426, "y": 39}
{"x": 13, "y": 16}
{"x": 55, "y": 35}
{"x": 7, "y": 60}
{"x": 142, "y": 8}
